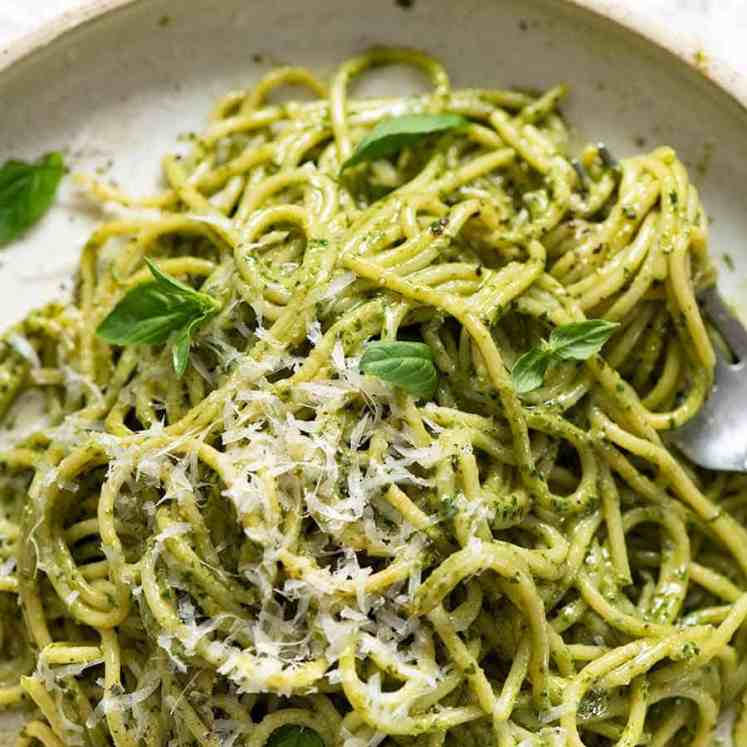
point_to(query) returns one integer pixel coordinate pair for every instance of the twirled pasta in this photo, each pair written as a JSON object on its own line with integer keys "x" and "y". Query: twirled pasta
{"x": 276, "y": 539}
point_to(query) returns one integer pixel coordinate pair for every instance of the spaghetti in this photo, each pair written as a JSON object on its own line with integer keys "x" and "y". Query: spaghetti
{"x": 276, "y": 540}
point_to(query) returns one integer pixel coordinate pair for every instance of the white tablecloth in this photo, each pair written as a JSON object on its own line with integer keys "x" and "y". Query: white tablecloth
{"x": 718, "y": 25}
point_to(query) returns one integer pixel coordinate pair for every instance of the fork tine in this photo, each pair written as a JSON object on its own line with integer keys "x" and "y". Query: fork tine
{"x": 726, "y": 323}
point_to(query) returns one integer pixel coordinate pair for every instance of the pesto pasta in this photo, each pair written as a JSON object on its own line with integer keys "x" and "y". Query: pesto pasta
{"x": 277, "y": 544}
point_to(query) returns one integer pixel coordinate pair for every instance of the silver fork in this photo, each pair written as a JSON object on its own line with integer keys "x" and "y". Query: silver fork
{"x": 716, "y": 437}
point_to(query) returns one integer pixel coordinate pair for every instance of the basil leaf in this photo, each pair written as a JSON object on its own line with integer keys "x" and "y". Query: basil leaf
{"x": 408, "y": 365}
{"x": 528, "y": 372}
{"x": 146, "y": 315}
{"x": 160, "y": 310}
{"x": 171, "y": 284}
{"x": 182, "y": 343}
{"x": 392, "y": 135}
{"x": 580, "y": 340}
{"x": 576, "y": 341}
{"x": 26, "y": 193}
{"x": 292, "y": 735}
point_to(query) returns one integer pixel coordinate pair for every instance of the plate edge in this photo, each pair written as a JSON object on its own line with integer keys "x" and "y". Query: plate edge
{"x": 48, "y": 32}
{"x": 680, "y": 45}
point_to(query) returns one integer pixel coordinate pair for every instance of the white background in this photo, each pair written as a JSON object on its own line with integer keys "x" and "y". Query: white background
{"x": 719, "y": 26}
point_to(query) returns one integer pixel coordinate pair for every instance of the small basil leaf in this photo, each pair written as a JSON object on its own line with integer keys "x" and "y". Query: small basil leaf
{"x": 580, "y": 340}
{"x": 182, "y": 343}
{"x": 393, "y": 134}
{"x": 180, "y": 350}
{"x": 146, "y": 315}
{"x": 157, "y": 311}
{"x": 26, "y": 193}
{"x": 292, "y": 735}
{"x": 207, "y": 304}
{"x": 168, "y": 282}
{"x": 181, "y": 290}
{"x": 408, "y": 365}
{"x": 528, "y": 372}
{"x": 382, "y": 350}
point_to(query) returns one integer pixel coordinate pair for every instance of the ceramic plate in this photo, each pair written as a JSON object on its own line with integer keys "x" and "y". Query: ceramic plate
{"x": 114, "y": 85}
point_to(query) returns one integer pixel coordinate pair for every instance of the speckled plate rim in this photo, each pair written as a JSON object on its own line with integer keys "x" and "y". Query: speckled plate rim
{"x": 681, "y": 45}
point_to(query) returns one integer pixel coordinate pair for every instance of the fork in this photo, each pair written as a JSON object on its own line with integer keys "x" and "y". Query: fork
{"x": 716, "y": 438}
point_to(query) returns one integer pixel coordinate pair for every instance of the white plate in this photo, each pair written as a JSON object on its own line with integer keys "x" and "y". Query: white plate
{"x": 116, "y": 83}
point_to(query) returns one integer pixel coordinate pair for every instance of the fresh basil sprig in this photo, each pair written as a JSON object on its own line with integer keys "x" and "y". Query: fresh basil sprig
{"x": 293, "y": 735}
{"x": 408, "y": 365}
{"x": 576, "y": 341}
{"x": 157, "y": 311}
{"x": 391, "y": 135}
{"x": 26, "y": 193}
